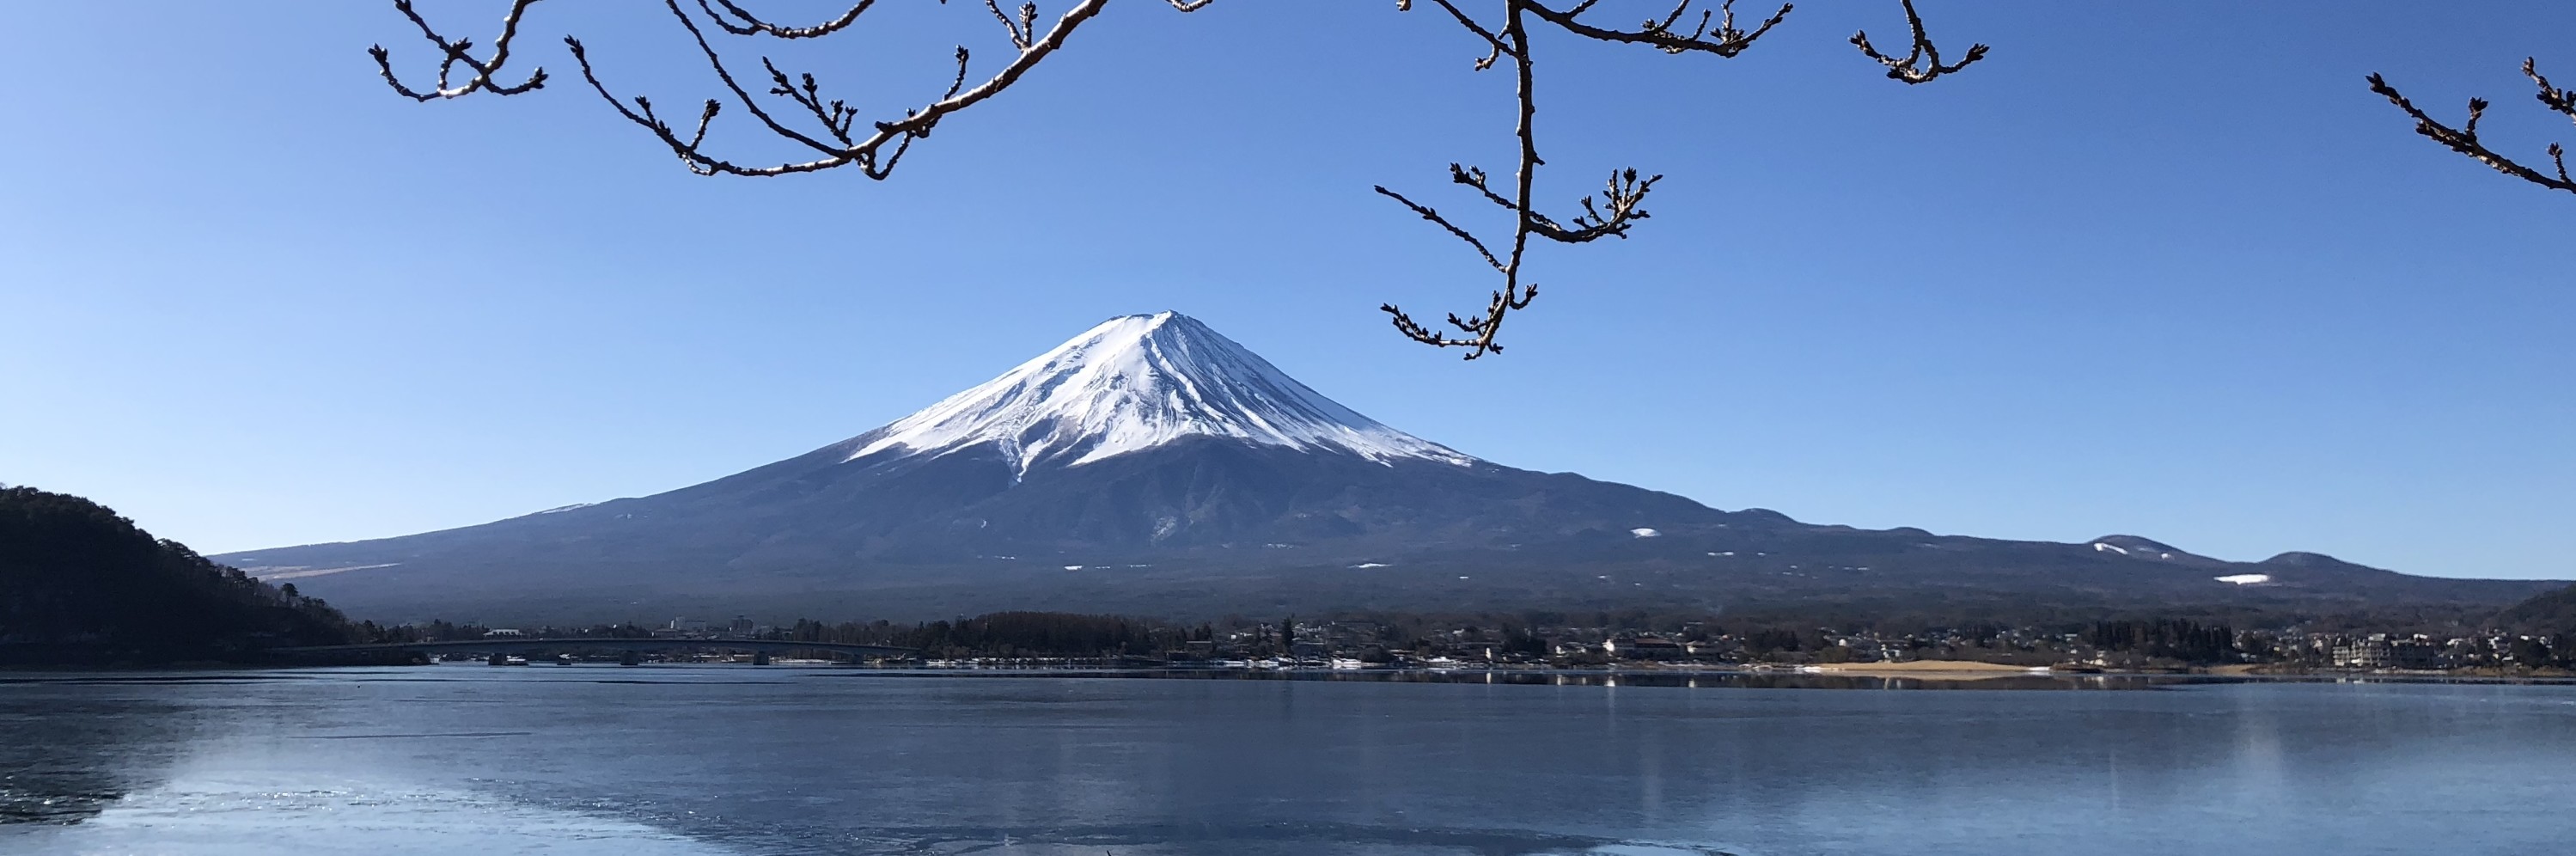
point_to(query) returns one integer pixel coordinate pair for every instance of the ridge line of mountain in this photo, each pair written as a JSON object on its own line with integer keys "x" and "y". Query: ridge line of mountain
{"x": 1153, "y": 443}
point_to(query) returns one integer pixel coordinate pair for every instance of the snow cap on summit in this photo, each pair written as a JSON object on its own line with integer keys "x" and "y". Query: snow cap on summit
{"x": 1136, "y": 382}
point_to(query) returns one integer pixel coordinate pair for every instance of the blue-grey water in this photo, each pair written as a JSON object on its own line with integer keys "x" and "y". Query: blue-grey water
{"x": 745, "y": 760}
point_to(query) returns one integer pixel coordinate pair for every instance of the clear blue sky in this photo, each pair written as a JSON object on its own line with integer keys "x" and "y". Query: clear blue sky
{"x": 2162, "y": 269}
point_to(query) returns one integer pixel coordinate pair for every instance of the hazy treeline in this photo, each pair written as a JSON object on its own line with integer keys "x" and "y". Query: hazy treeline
{"x": 1528, "y": 637}
{"x": 447, "y": 631}
{"x": 1006, "y": 634}
{"x": 2178, "y": 639}
{"x": 2552, "y": 612}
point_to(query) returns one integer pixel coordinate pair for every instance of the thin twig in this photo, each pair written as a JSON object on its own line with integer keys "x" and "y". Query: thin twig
{"x": 1923, "y": 64}
{"x": 459, "y": 52}
{"x": 2464, "y": 139}
{"x": 1725, "y": 40}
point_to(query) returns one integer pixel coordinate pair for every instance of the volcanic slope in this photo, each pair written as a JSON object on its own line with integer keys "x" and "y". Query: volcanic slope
{"x": 1151, "y": 464}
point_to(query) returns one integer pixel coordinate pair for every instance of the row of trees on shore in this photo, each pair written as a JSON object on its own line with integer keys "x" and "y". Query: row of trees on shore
{"x": 1385, "y": 637}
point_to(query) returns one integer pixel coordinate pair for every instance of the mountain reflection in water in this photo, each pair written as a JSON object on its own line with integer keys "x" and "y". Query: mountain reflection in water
{"x": 708, "y": 760}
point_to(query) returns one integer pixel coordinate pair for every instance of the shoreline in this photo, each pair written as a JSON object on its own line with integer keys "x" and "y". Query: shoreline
{"x": 1942, "y": 669}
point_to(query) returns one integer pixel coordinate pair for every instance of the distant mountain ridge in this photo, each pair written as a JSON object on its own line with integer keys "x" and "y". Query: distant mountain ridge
{"x": 1153, "y": 465}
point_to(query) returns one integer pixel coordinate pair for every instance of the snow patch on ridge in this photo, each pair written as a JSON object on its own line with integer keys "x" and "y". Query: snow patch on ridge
{"x": 1137, "y": 382}
{"x": 298, "y": 572}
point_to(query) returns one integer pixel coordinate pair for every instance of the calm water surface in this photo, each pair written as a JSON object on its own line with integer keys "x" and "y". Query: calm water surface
{"x": 738, "y": 760}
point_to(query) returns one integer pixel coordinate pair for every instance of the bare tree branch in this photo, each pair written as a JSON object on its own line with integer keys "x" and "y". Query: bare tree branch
{"x": 742, "y": 23}
{"x": 460, "y": 52}
{"x": 1464, "y": 20}
{"x": 1924, "y": 63}
{"x": 751, "y": 25}
{"x": 1724, "y": 40}
{"x": 837, "y": 137}
{"x": 2464, "y": 139}
{"x": 1434, "y": 216}
{"x": 1714, "y": 32}
{"x": 836, "y": 145}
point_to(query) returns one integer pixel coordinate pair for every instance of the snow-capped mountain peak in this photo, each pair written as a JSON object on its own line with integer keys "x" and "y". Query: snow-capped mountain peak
{"x": 1136, "y": 382}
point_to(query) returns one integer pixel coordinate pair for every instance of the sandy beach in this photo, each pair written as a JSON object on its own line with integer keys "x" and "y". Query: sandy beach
{"x": 1952, "y": 669}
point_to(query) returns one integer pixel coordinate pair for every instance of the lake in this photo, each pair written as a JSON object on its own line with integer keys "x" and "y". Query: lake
{"x": 776, "y": 760}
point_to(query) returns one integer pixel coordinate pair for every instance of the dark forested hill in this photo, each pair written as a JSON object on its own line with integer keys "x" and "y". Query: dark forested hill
{"x": 79, "y": 584}
{"x": 2548, "y": 613}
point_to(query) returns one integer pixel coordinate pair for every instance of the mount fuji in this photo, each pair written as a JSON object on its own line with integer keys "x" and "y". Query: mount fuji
{"x": 1132, "y": 384}
{"x": 1152, "y": 464}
